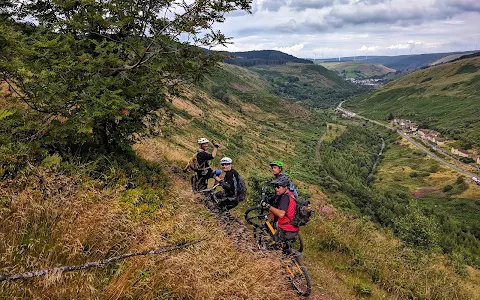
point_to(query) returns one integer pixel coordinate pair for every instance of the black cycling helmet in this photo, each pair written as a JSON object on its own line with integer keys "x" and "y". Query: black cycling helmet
{"x": 281, "y": 181}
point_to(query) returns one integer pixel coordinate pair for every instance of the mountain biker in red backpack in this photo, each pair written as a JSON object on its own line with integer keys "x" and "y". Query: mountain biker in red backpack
{"x": 234, "y": 189}
{"x": 277, "y": 168}
{"x": 283, "y": 210}
{"x": 202, "y": 166}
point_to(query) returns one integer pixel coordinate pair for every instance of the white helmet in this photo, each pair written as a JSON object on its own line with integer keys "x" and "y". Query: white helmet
{"x": 226, "y": 160}
{"x": 202, "y": 141}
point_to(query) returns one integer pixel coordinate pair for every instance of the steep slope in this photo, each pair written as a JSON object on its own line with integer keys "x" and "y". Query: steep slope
{"x": 346, "y": 256}
{"x": 445, "y": 97}
{"x": 357, "y": 69}
{"x": 312, "y": 85}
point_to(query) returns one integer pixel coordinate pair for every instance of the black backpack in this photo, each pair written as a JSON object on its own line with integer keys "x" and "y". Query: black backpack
{"x": 303, "y": 213}
{"x": 241, "y": 189}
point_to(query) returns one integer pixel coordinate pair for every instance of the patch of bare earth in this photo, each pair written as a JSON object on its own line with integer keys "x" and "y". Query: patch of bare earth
{"x": 187, "y": 106}
{"x": 423, "y": 191}
{"x": 242, "y": 87}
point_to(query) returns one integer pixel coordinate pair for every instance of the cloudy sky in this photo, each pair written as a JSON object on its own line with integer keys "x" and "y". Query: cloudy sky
{"x": 332, "y": 28}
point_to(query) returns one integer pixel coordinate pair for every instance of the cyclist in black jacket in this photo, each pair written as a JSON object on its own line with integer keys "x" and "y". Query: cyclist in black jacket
{"x": 232, "y": 184}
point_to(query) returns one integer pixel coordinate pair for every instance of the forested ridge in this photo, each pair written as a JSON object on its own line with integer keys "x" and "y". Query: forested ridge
{"x": 263, "y": 57}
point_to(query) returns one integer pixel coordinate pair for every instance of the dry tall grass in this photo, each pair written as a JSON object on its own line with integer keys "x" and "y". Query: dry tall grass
{"x": 55, "y": 220}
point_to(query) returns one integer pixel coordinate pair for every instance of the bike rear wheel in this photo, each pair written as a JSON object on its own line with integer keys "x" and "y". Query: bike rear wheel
{"x": 297, "y": 244}
{"x": 298, "y": 275}
{"x": 255, "y": 216}
{"x": 263, "y": 239}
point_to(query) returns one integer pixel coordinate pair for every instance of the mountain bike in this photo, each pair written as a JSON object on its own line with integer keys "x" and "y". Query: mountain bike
{"x": 257, "y": 216}
{"x": 209, "y": 198}
{"x": 264, "y": 232}
{"x": 263, "y": 229}
{"x": 198, "y": 183}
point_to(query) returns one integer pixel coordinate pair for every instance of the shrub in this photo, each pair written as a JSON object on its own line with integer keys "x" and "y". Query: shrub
{"x": 362, "y": 288}
{"x": 447, "y": 188}
{"x": 416, "y": 229}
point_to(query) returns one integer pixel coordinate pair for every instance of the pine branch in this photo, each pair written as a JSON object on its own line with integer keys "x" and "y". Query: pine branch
{"x": 94, "y": 264}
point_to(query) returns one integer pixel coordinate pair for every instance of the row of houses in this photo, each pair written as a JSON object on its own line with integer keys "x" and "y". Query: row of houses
{"x": 465, "y": 153}
{"x": 432, "y": 136}
{"x": 425, "y": 134}
{"x": 405, "y": 125}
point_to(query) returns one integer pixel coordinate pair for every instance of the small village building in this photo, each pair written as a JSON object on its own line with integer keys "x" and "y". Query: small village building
{"x": 439, "y": 141}
{"x": 423, "y": 132}
{"x": 461, "y": 153}
{"x": 405, "y": 124}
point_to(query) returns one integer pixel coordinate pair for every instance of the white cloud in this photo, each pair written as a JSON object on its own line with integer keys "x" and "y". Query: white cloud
{"x": 383, "y": 27}
{"x": 409, "y": 45}
{"x": 369, "y": 49}
{"x": 293, "y": 50}
{"x": 399, "y": 46}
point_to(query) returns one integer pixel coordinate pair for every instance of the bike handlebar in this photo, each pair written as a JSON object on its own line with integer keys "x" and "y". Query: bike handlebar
{"x": 210, "y": 189}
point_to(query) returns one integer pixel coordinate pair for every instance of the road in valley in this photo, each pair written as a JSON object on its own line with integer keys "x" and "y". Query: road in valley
{"x": 418, "y": 145}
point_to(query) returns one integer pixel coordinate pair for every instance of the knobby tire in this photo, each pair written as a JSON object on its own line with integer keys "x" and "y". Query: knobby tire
{"x": 298, "y": 275}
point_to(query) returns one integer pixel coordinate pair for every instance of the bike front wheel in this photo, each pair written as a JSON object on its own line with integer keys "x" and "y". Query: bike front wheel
{"x": 298, "y": 275}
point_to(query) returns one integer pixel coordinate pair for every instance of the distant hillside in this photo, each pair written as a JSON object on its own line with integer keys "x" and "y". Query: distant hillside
{"x": 263, "y": 57}
{"x": 444, "y": 97}
{"x": 401, "y": 62}
{"x": 358, "y": 70}
{"x": 313, "y": 85}
{"x": 449, "y": 58}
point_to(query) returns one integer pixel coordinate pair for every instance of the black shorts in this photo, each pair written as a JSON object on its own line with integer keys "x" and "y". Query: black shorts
{"x": 224, "y": 201}
{"x": 205, "y": 174}
{"x": 284, "y": 236}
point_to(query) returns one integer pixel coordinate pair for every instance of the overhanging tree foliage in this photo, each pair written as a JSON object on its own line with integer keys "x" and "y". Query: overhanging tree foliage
{"x": 96, "y": 69}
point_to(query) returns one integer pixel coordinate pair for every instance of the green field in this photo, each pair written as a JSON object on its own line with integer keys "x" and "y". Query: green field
{"x": 357, "y": 70}
{"x": 444, "y": 97}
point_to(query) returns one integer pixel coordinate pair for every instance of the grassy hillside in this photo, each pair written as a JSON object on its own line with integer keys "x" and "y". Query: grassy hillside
{"x": 445, "y": 98}
{"x": 312, "y": 85}
{"x": 357, "y": 69}
{"x": 63, "y": 210}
